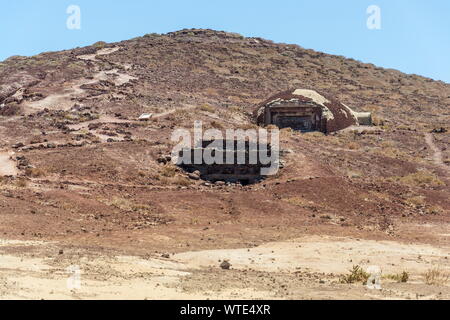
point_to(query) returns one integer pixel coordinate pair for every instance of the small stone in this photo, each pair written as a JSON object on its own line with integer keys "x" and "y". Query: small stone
{"x": 18, "y": 145}
{"x": 225, "y": 265}
{"x": 193, "y": 176}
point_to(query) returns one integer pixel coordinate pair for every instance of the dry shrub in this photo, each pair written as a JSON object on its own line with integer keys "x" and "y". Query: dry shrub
{"x": 35, "y": 172}
{"x": 235, "y": 109}
{"x": 21, "y": 183}
{"x": 434, "y": 210}
{"x": 127, "y": 205}
{"x": 404, "y": 127}
{"x": 168, "y": 171}
{"x": 182, "y": 181}
{"x": 211, "y": 92}
{"x": 216, "y": 125}
{"x": 271, "y": 127}
{"x": 377, "y": 121}
{"x": 388, "y": 144}
{"x": 311, "y": 136}
{"x": 298, "y": 201}
{"x": 421, "y": 178}
{"x": 392, "y": 153}
{"x": 286, "y": 134}
{"x": 355, "y": 275}
{"x": 399, "y": 277}
{"x": 142, "y": 173}
{"x": 99, "y": 44}
{"x": 164, "y": 181}
{"x": 120, "y": 203}
{"x": 181, "y": 114}
{"x": 353, "y": 146}
{"x": 416, "y": 201}
{"x": 352, "y": 174}
{"x": 206, "y": 108}
{"x": 248, "y": 126}
{"x": 436, "y": 276}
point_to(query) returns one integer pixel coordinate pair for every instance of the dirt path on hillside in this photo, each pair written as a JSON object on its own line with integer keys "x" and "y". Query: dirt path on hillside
{"x": 103, "y": 119}
{"x": 63, "y": 100}
{"x": 101, "y": 52}
{"x": 120, "y": 78}
{"x": 437, "y": 152}
{"x": 7, "y": 165}
{"x": 167, "y": 113}
{"x": 303, "y": 268}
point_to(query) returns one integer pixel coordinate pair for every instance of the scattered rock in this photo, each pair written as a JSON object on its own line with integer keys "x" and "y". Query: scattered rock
{"x": 18, "y": 145}
{"x": 164, "y": 159}
{"x": 194, "y": 175}
{"x": 439, "y": 130}
{"x": 225, "y": 265}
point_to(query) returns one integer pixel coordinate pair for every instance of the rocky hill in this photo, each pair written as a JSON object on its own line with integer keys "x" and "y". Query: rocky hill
{"x": 79, "y": 167}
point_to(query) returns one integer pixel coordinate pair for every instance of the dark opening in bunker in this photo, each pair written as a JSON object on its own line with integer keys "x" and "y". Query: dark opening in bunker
{"x": 233, "y": 161}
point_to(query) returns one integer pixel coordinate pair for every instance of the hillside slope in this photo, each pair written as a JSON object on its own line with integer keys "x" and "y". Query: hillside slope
{"x": 79, "y": 168}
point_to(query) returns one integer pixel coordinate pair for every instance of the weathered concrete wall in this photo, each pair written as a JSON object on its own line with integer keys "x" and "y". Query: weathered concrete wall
{"x": 247, "y": 171}
{"x": 364, "y": 118}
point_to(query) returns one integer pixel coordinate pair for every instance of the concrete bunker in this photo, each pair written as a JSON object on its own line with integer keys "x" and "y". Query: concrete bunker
{"x": 245, "y": 168}
{"x": 308, "y": 110}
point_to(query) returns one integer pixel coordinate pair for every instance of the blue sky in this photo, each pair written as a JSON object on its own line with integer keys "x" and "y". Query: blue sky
{"x": 414, "y": 35}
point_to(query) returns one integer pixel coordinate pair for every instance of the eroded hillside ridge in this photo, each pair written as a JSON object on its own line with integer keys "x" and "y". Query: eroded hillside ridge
{"x": 79, "y": 168}
{"x": 84, "y": 182}
{"x": 232, "y": 69}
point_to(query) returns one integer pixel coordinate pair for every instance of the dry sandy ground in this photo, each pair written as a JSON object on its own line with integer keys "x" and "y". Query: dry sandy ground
{"x": 304, "y": 268}
{"x": 7, "y": 165}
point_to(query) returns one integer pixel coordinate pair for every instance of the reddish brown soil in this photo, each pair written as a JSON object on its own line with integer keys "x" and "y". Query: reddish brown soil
{"x": 101, "y": 187}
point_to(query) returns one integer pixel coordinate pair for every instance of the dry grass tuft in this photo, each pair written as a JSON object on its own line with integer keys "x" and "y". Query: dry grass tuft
{"x": 399, "y": 277}
{"x": 436, "y": 276}
{"x": 416, "y": 201}
{"x": 313, "y": 136}
{"x": 248, "y": 126}
{"x": 182, "y": 181}
{"x": 207, "y": 108}
{"x": 21, "y": 183}
{"x": 127, "y": 205}
{"x": 296, "y": 201}
{"x": 355, "y": 275}
{"x": 271, "y": 127}
{"x": 421, "y": 178}
{"x": 353, "y": 146}
{"x": 377, "y": 120}
{"x": 168, "y": 171}
{"x": 35, "y": 172}
{"x": 216, "y": 125}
